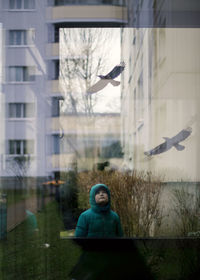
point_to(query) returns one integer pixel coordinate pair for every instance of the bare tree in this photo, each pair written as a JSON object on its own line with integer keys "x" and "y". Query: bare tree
{"x": 84, "y": 53}
{"x": 19, "y": 166}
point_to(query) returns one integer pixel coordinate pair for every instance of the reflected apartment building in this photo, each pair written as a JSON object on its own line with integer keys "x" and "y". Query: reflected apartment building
{"x": 160, "y": 98}
{"x": 30, "y": 84}
{"x": 2, "y": 117}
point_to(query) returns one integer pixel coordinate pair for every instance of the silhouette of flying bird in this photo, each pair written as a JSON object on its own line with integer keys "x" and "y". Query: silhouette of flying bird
{"x": 171, "y": 142}
{"x": 108, "y": 78}
{"x": 114, "y": 73}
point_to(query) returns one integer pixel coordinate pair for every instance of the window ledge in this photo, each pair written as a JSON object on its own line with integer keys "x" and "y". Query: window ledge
{"x": 20, "y": 155}
{"x": 20, "y": 119}
{"x": 20, "y": 83}
{"x": 20, "y": 46}
{"x": 20, "y": 10}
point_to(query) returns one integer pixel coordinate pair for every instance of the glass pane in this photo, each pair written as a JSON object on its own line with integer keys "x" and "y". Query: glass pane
{"x": 29, "y": 109}
{"x": 19, "y": 109}
{"x": 24, "y": 147}
{"x": 12, "y": 110}
{"x": 11, "y": 147}
{"x": 30, "y": 147}
{"x": 12, "y": 74}
{"x": 11, "y": 37}
{"x": 56, "y": 146}
{"x": 18, "y": 73}
{"x": 19, "y": 36}
{"x": 12, "y": 4}
{"x": 24, "y": 37}
{"x": 30, "y": 73}
{"x": 19, "y": 147}
{"x": 29, "y": 4}
{"x": 25, "y": 74}
{"x": 55, "y": 107}
{"x": 18, "y": 4}
{"x": 26, "y": 4}
{"x": 29, "y": 37}
{"x": 58, "y": 2}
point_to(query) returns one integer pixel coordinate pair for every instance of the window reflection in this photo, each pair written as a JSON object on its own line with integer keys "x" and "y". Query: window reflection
{"x": 122, "y": 125}
{"x": 140, "y": 124}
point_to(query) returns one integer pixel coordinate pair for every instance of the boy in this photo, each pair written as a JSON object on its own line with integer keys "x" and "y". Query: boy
{"x": 99, "y": 220}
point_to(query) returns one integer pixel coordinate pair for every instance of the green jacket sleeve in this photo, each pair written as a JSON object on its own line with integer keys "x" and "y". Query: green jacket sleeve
{"x": 81, "y": 227}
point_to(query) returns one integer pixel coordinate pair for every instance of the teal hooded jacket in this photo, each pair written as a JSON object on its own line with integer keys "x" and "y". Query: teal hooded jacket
{"x": 99, "y": 221}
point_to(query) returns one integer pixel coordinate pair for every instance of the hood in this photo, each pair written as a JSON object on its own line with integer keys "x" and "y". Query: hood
{"x": 93, "y": 203}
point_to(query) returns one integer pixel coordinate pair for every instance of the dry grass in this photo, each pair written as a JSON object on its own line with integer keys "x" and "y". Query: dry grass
{"x": 187, "y": 209}
{"x": 135, "y": 197}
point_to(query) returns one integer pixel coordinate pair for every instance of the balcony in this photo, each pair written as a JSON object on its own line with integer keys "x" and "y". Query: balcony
{"x": 106, "y": 14}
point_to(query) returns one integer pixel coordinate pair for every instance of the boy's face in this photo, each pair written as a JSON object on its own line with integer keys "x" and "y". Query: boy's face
{"x": 101, "y": 197}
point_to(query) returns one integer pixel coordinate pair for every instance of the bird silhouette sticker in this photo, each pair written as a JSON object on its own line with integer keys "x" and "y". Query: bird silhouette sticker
{"x": 108, "y": 78}
{"x": 171, "y": 142}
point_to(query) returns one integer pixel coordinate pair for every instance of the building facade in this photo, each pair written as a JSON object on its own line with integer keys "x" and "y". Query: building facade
{"x": 160, "y": 82}
{"x": 161, "y": 94}
{"x": 30, "y": 81}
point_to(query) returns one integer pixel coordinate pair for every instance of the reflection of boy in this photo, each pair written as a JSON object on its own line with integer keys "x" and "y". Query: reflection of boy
{"x": 99, "y": 220}
{"x": 32, "y": 225}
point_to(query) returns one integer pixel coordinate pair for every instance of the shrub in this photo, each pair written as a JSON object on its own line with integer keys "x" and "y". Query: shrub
{"x": 187, "y": 209}
{"x": 135, "y": 197}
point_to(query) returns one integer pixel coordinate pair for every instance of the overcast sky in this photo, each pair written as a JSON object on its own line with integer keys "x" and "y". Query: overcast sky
{"x": 110, "y": 96}
{"x": 108, "y": 99}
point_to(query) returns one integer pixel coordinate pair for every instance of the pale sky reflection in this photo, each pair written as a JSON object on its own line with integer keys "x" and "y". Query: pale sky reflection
{"x": 108, "y": 99}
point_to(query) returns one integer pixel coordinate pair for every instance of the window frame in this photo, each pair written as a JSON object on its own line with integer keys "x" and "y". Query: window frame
{"x": 19, "y": 110}
{"x": 20, "y": 147}
{"x": 17, "y": 38}
{"x": 20, "y": 5}
{"x": 23, "y": 75}
{"x": 27, "y": 37}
